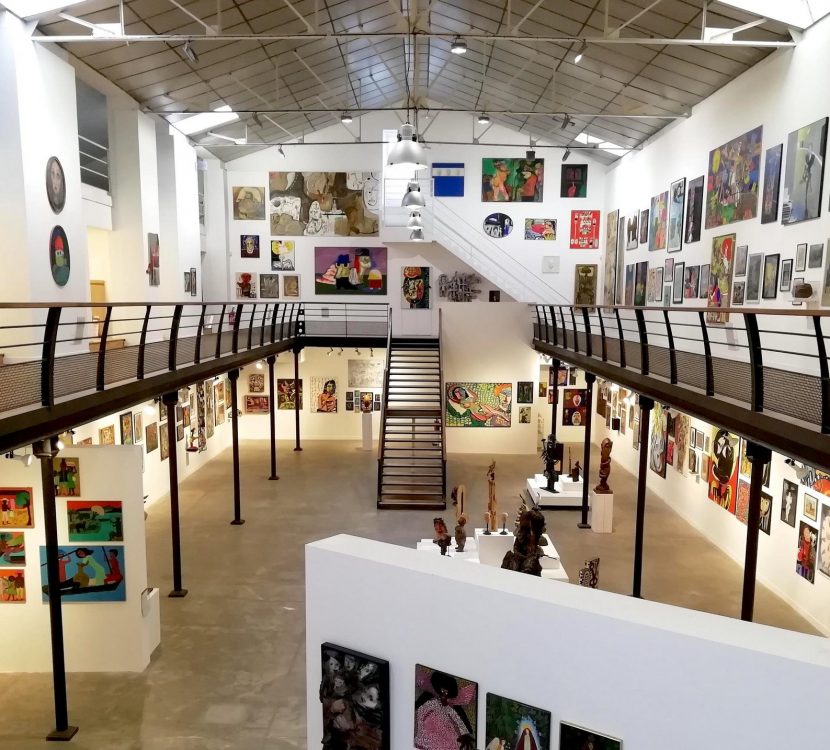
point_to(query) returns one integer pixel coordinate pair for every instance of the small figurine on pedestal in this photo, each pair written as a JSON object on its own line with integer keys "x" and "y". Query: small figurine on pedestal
{"x": 491, "y": 496}
{"x": 442, "y": 536}
{"x": 487, "y": 523}
{"x": 460, "y": 533}
{"x": 504, "y": 524}
{"x": 526, "y": 552}
{"x": 604, "y": 467}
{"x": 551, "y": 453}
{"x": 576, "y": 471}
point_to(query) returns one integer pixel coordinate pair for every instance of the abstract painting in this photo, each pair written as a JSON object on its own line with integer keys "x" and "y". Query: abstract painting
{"x": 354, "y": 691}
{"x": 631, "y": 230}
{"x": 805, "y": 561}
{"x": 585, "y": 284}
{"x": 67, "y": 473}
{"x": 106, "y": 435}
{"x": 324, "y": 395}
{"x": 677, "y": 283}
{"x": 574, "y": 181}
{"x": 350, "y": 270}
{"x": 99, "y": 521}
{"x": 291, "y": 286}
{"x": 772, "y": 183}
{"x": 732, "y": 184}
{"x": 249, "y": 245}
{"x": 572, "y": 737}
{"x": 824, "y": 544}
{"x": 512, "y": 180}
{"x": 659, "y": 222}
{"x": 514, "y": 725}
{"x": 742, "y": 503}
{"x": 609, "y": 277}
{"x": 524, "y": 392}
{"x": 256, "y": 383}
{"x": 540, "y": 229}
{"x": 125, "y": 420}
{"x": 151, "y": 437}
{"x": 164, "y": 441}
{"x": 658, "y": 442}
{"x": 282, "y": 255}
{"x": 804, "y": 173}
{"x": 246, "y": 285}
{"x": 365, "y": 373}
{"x": 574, "y": 407}
{"x": 415, "y": 288}
{"x": 720, "y": 277}
{"x": 694, "y": 210}
{"x": 446, "y": 710}
{"x": 497, "y": 225}
{"x": 269, "y": 286}
{"x": 640, "y": 280}
{"x": 248, "y": 203}
{"x": 722, "y": 482}
{"x": 584, "y": 230}
{"x": 479, "y": 404}
{"x": 629, "y": 285}
{"x": 789, "y": 505}
{"x": 677, "y": 195}
{"x": 323, "y": 204}
{"x": 644, "y": 216}
{"x": 13, "y": 583}
{"x": 287, "y": 394}
{"x": 88, "y": 574}
{"x": 12, "y": 548}
{"x": 448, "y": 179}
{"x": 681, "y": 439}
{"x": 257, "y": 404}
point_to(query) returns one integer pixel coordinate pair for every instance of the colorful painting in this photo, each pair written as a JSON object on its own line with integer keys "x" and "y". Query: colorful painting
{"x": 677, "y": 195}
{"x": 789, "y": 505}
{"x": 640, "y": 281}
{"x": 324, "y": 395}
{"x": 755, "y": 265}
{"x": 540, "y": 229}
{"x": 249, "y": 245}
{"x": 67, "y": 473}
{"x": 269, "y": 286}
{"x": 681, "y": 439}
{"x": 720, "y": 277}
{"x": 574, "y": 407}
{"x": 287, "y": 394}
{"x": 153, "y": 269}
{"x": 106, "y": 435}
{"x": 12, "y": 548}
{"x": 694, "y": 210}
{"x": 742, "y": 503}
{"x": 631, "y": 228}
{"x": 572, "y": 737}
{"x": 732, "y": 186}
{"x": 723, "y": 469}
{"x": 248, "y": 203}
{"x": 824, "y": 544}
{"x": 354, "y": 691}
{"x": 805, "y": 561}
{"x": 446, "y": 710}
{"x": 282, "y": 255}
{"x": 59, "y": 260}
{"x": 584, "y": 230}
{"x": 88, "y": 574}
{"x": 448, "y": 179}
{"x": 772, "y": 183}
{"x": 257, "y": 404}
{"x": 350, "y": 270}
{"x": 658, "y": 444}
{"x": 574, "y": 181}
{"x": 585, "y": 284}
{"x": 256, "y": 383}
{"x": 246, "y": 284}
{"x": 126, "y": 422}
{"x": 324, "y": 204}
{"x": 609, "y": 277}
{"x": 512, "y": 180}
{"x": 164, "y": 441}
{"x": 804, "y": 173}
{"x": 497, "y": 225}
{"x": 291, "y": 287}
{"x": 415, "y": 288}
{"x": 691, "y": 282}
{"x": 479, "y": 404}
{"x": 658, "y": 230}
{"x": 644, "y": 225}
{"x": 13, "y": 584}
{"x": 366, "y": 402}
{"x": 99, "y": 521}
{"x": 511, "y": 724}
{"x": 151, "y": 437}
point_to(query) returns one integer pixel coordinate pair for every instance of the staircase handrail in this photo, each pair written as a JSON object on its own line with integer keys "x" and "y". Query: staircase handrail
{"x": 381, "y": 441}
{"x": 443, "y": 405}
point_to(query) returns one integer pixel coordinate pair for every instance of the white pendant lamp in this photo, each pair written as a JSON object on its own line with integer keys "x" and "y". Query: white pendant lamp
{"x": 413, "y": 198}
{"x": 417, "y": 235}
{"x": 415, "y": 221}
{"x": 407, "y": 152}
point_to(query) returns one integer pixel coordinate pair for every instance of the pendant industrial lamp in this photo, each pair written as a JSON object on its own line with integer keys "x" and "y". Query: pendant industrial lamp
{"x": 415, "y": 221}
{"x": 417, "y": 235}
{"x": 407, "y": 152}
{"x": 414, "y": 198}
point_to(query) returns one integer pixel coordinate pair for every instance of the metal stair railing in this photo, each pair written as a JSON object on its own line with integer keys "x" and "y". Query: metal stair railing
{"x": 382, "y": 436}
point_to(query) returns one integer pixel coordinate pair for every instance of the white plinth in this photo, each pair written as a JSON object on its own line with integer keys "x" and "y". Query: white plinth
{"x": 602, "y": 512}
{"x": 493, "y": 547}
{"x": 568, "y": 493}
{"x": 367, "y": 431}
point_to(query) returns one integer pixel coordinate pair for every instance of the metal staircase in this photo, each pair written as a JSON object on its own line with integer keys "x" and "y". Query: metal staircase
{"x": 411, "y": 454}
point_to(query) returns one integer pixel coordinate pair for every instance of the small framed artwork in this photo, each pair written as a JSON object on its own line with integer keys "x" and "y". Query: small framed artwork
{"x": 703, "y": 282}
{"x": 786, "y": 275}
{"x": 495, "y": 295}
{"x": 677, "y": 283}
{"x": 796, "y": 282}
{"x": 668, "y": 268}
{"x": 741, "y": 253}
{"x": 770, "y": 288}
{"x": 810, "y": 507}
{"x": 572, "y": 737}
{"x": 658, "y": 284}
{"x": 269, "y": 285}
{"x": 249, "y": 245}
{"x": 753, "y": 278}
{"x": 126, "y": 422}
{"x": 801, "y": 258}
{"x": 738, "y": 289}
{"x": 815, "y": 256}
{"x": 192, "y": 282}
{"x": 691, "y": 281}
{"x": 187, "y": 282}
{"x": 138, "y": 428}
{"x": 291, "y": 286}
{"x": 106, "y": 435}
{"x": 667, "y": 289}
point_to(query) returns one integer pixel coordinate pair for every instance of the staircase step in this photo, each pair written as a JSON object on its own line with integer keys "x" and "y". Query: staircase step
{"x": 412, "y": 462}
{"x": 419, "y": 471}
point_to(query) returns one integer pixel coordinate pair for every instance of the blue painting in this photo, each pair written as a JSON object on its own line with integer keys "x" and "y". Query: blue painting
{"x": 88, "y": 573}
{"x": 448, "y": 180}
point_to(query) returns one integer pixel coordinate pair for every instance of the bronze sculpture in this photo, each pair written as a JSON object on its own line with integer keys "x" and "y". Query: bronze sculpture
{"x": 551, "y": 453}
{"x": 604, "y": 467}
{"x": 527, "y": 549}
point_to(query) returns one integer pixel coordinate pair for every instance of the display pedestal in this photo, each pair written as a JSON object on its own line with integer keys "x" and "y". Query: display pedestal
{"x": 367, "y": 432}
{"x": 567, "y": 497}
{"x": 602, "y": 512}
{"x": 493, "y": 547}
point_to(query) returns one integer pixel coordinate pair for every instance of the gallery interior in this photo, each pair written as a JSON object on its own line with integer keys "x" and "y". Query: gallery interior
{"x": 305, "y": 442}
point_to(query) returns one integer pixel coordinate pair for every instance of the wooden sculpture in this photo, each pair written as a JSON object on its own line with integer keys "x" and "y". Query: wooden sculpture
{"x": 492, "y": 505}
{"x": 604, "y": 467}
{"x": 442, "y": 536}
{"x": 460, "y": 533}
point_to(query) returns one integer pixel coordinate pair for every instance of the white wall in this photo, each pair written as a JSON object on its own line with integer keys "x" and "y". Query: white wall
{"x": 650, "y": 674}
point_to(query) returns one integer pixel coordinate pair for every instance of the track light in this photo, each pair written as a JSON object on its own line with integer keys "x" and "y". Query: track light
{"x": 459, "y": 46}
{"x": 530, "y": 154}
{"x": 413, "y": 198}
{"x": 281, "y": 152}
{"x": 357, "y": 351}
{"x": 566, "y": 154}
{"x": 189, "y": 52}
{"x": 340, "y": 353}
{"x": 407, "y": 152}
{"x": 566, "y": 120}
{"x": 580, "y": 52}
{"x": 345, "y": 118}
{"x": 417, "y": 235}
{"x": 27, "y": 459}
{"x": 371, "y": 353}
{"x": 59, "y": 444}
{"x": 484, "y": 119}
{"x": 415, "y": 221}
{"x": 149, "y": 410}
{"x": 330, "y": 351}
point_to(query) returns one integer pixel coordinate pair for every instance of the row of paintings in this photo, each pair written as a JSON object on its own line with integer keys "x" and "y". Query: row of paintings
{"x": 584, "y": 228}
{"x": 325, "y": 399}
{"x": 282, "y": 252}
{"x": 355, "y": 697}
{"x": 266, "y": 286}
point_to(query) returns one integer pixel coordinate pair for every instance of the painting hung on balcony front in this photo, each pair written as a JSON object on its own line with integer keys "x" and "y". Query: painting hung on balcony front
{"x": 804, "y": 173}
{"x": 479, "y": 404}
{"x": 512, "y": 180}
{"x": 584, "y": 230}
{"x": 350, "y": 270}
{"x": 323, "y": 204}
{"x": 720, "y": 277}
{"x": 415, "y": 288}
{"x": 659, "y": 222}
{"x": 88, "y": 574}
{"x": 722, "y": 483}
{"x": 585, "y": 284}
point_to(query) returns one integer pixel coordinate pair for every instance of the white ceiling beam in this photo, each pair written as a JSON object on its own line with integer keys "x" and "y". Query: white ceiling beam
{"x": 739, "y": 29}
{"x": 527, "y": 15}
{"x": 300, "y": 16}
{"x": 210, "y": 30}
{"x": 616, "y": 32}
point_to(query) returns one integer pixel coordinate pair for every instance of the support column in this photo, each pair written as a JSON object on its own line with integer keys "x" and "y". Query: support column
{"x": 646, "y": 405}
{"x": 297, "y": 399}
{"x": 170, "y": 401}
{"x": 553, "y": 387}
{"x": 46, "y": 450}
{"x": 590, "y": 379}
{"x": 233, "y": 376}
{"x": 759, "y": 456}
{"x": 273, "y": 411}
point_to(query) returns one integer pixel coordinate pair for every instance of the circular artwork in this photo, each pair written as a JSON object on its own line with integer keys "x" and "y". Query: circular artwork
{"x": 498, "y": 225}
{"x": 55, "y": 184}
{"x": 59, "y": 256}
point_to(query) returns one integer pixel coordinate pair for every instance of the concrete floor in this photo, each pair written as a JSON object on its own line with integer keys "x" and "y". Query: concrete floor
{"x": 230, "y": 672}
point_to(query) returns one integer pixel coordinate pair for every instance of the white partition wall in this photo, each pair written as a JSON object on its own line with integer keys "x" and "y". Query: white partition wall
{"x": 654, "y": 675}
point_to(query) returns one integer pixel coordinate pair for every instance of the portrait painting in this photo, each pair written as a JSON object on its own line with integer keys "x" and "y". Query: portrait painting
{"x": 66, "y": 471}
{"x": 282, "y": 255}
{"x": 677, "y": 196}
{"x": 94, "y": 573}
{"x": 694, "y": 210}
{"x": 256, "y": 382}
{"x": 658, "y": 440}
{"x": 722, "y": 480}
{"x": 512, "y": 180}
{"x": 125, "y": 421}
{"x": 257, "y": 404}
{"x": 98, "y": 521}
{"x": 287, "y": 394}
{"x": 789, "y": 505}
{"x": 59, "y": 261}
{"x": 497, "y": 225}
{"x": 415, "y": 288}
{"x": 248, "y": 203}
{"x": 658, "y": 235}
{"x": 151, "y": 437}
{"x": 55, "y": 184}
{"x": 585, "y": 284}
{"x": 804, "y": 173}
{"x": 574, "y": 407}
{"x": 246, "y": 285}
{"x": 524, "y": 392}
{"x": 644, "y": 225}
{"x": 772, "y": 183}
{"x": 512, "y": 724}
{"x": 584, "y": 230}
{"x": 291, "y": 286}
{"x": 720, "y": 277}
{"x": 12, "y": 586}
{"x": 540, "y": 229}
{"x": 106, "y": 435}
{"x": 324, "y": 395}
{"x": 269, "y": 286}
{"x": 479, "y": 404}
{"x": 350, "y": 270}
{"x": 12, "y": 548}
{"x": 16, "y": 508}
{"x": 805, "y": 561}
{"x": 824, "y": 544}
{"x": 572, "y": 737}
{"x": 446, "y": 710}
{"x": 733, "y": 180}
{"x": 574, "y": 181}
{"x": 249, "y": 245}
{"x": 324, "y": 204}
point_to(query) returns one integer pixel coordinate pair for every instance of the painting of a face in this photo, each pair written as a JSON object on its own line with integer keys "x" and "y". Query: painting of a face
{"x": 59, "y": 256}
{"x": 55, "y": 184}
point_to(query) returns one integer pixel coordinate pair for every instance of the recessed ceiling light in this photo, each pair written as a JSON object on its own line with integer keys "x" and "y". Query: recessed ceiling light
{"x": 459, "y": 46}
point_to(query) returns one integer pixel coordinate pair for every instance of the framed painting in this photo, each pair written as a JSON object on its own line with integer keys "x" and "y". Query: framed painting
{"x": 126, "y": 422}
{"x": 810, "y": 507}
{"x": 573, "y": 181}
{"x": 248, "y": 203}
{"x": 447, "y": 179}
{"x": 677, "y": 283}
{"x": 787, "y": 276}
{"x": 720, "y": 277}
{"x": 511, "y": 724}
{"x": 282, "y": 255}
{"x": 789, "y": 506}
{"x": 640, "y": 282}
{"x": 12, "y": 549}
{"x": 694, "y": 210}
{"x": 729, "y": 199}
{"x": 67, "y": 473}
{"x": 723, "y": 469}
{"x": 609, "y": 277}
{"x": 658, "y": 441}
{"x": 269, "y": 286}
{"x": 677, "y": 195}
{"x": 249, "y": 245}
{"x": 805, "y": 561}
{"x": 585, "y": 284}
{"x": 256, "y": 382}
{"x": 510, "y": 180}
{"x": 289, "y": 394}
{"x": 738, "y": 293}
{"x": 350, "y": 270}
{"x": 584, "y": 230}
{"x": 524, "y": 392}
{"x": 478, "y": 404}
{"x": 153, "y": 268}
{"x": 631, "y": 232}
{"x": 324, "y": 395}
{"x": 446, "y": 710}
{"x": 629, "y": 284}
{"x": 574, "y": 407}
{"x": 644, "y": 215}
{"x": 497, "y": 225}
{"x": 98, "y": 521}
{"x": 164, "y": 442}
{"x": 658, "y": 284}
{"x": 291, "y": 287}
{"x": 415, "y": 288}
{"x": 824, "y": 545}
{"x": 89, "y": 573}
{"x": 257, "y": 404}
{"x": 246, "y": 284}
{"x": 755, "y": 268}
{"x": 772, "y": 183}
{"x": 659, "y": 219}
{"x": 770, "y": 285}
{"x": 106, "y": 435}
{"x": 741, "y": 259}
{"x": 138, "y": 428}
{"x": 691, "y": 281}
{"x": 815, "y": 255}
{"x": 804, "y": 173}
{"x": 801, "y": 257}
{"x": 12, "y": 586}
{"x": 151, "y": 439}
{"x": 572, "y": 737}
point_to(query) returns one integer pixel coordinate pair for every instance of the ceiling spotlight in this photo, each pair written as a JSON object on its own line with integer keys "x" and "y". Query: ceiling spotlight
{"x": 530, "y": 154}
{"x": 566, "y": 120}
{"x": 340, "y": 353}
{"x": 566, "y": 154}
{"x": 189, "y": 52}
{"x": 580, "y": 52}
{"x": 149, "y": 410}
{"x": 459, "y": 46}
{"x": 345, "y": 118}
{"x": 413, "y": 198}
{"x": 371, "y": 353}
{"x": 357, "y": 351}
{"x": 281, "y": 152}
{"x": 407, "y": 152}
{"x": 415, "y": 221}
{"x": 484, "y": 119}
{"x": 27, "y": 459}
{"x": 259, "y": 365}
{"x": 59, "y": 444}
{"x": 330, "y": 351}
{"x": 417, "y": 235}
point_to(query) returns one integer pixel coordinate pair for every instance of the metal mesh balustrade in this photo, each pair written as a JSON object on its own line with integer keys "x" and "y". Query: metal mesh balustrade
{"x": 658, "y": 362}
{"x": 792, "y": 394}
{"x": 185, "y": 351}
{"x": 156, "y": 356}
{"x": 20, "y": 385}
{"x": 75, "y": 373}
{"x": 691, "y": 370}
{"x": 733, "y": 379}
{"x": 120, "y": 365}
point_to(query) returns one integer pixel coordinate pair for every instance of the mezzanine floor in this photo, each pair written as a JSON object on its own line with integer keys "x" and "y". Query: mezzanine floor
{"x": 230, "y": 672}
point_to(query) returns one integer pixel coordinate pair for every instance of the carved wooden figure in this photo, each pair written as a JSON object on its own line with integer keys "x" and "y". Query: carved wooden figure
{"x": 604, "y": 467}
{"x": 492, "y": 505}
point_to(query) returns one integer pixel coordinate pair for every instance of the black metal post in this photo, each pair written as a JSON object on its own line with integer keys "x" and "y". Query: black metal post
{"x": 759, "y": 456}
{"x": 102, "y": 350}
{"x": 825, "y": 375}
{"x": 170, "y": 401}
{"x": 643, "y": 333}
{"x": 553, "y": 389}
{"x": 297, "y": 399}
{"x": 707, "y": 355}
{"x": 47, "y": 366}
{"x": 233, "y": 376}
{"x": 646, "y": 405}
{"x": 590, "y": 379}
{"x": 273, "y": 409}
{"x": 46, "y": 450}
{"x": 672, "y": 351}
{"x": 756, "y": 361}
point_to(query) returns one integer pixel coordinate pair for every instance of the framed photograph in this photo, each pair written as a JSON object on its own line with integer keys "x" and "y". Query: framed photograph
{"x": 738, "y": 292}
{"x": 810, "y": 507}
{"x": 703, "y": 282}
{"x": 658, "y": 284}
{"x": 740, "y": 259}
{"x": 770, "y": 287}
{"x": 801, "y": 258}
{"x": 815, "y": 256}
{"x": 753, "y": 278}
{"x": 572, "y": 737}
{"x": 677, "y": 283}
{"x": 789, "y": 502}
{"x": 786, "y": 275}
{"x": 796, "y": 282}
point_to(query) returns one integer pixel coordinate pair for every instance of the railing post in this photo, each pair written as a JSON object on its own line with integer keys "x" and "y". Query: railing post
{"x": 274, "y": 322}
{"x": 602, "y": 336}
{"x": 672, "y": 352}
{"x": 825, "y": 376}
{"x": 251, "y": 327}
{"x": 282, "y": 321}
{"x": 174, "y": 337}
{"x": 564, "y": 328}
{"x": 576, "y": 333}
{"x": 539, "y": 324}
{"x": 586, "y": 320}
{"x": 297, "y": 397}
{"x": 171, "y": 401}
{"x": 759, "y": 456}
{"x": 233, "y": 376}
{"x": 622, "y": 337}
{"x": 707, "y": 356}
{"x": 756, "y": 362}
{"x": 641, "y": 330}
{"x": 237, "y": 319}
{"x": 219, "y": 333}
{"x": 553, "y": 389}
{"x": 262, "y": 326}
{"x": 102, "y": 350}
{"x": 271, "y": 360}
{"x": 646, "y": 405}
{"x": 142, "y": 344}
{"x": 198, "y": 352}
{"x": 590, "y": 379}
{"x": 555, "y": 338}
{"x": 47, "y": 365}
